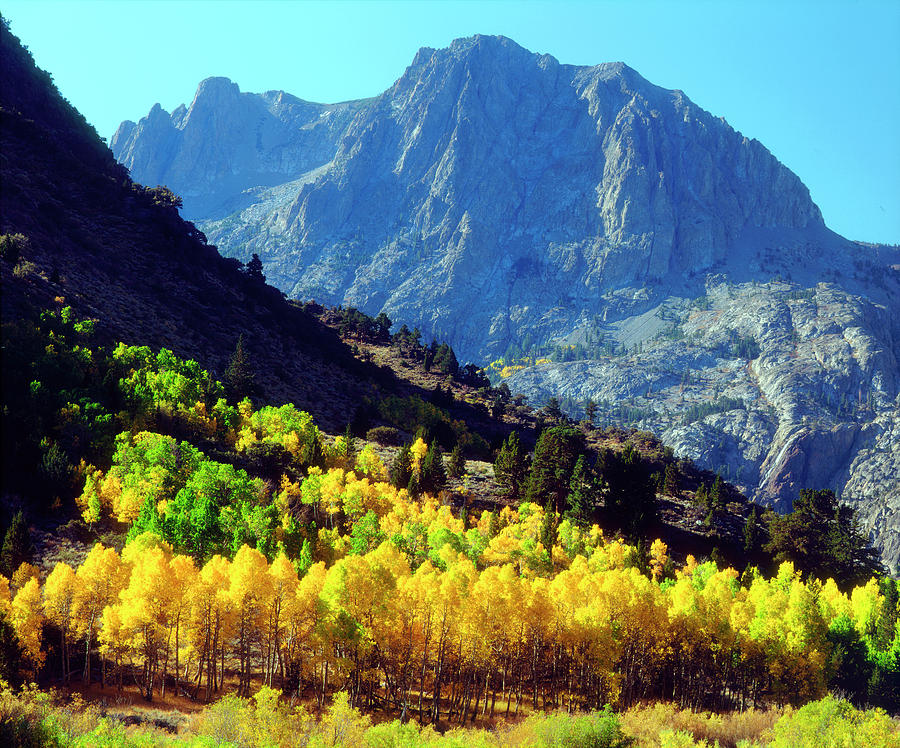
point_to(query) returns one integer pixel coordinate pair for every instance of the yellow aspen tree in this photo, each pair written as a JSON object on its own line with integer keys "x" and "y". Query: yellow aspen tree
{"x": 866, "y": 602}
{"x": 145, "y": 607}
{"x": 284, "y": 589}
{"x": 369, "y": 464}
{"x": 59, "y": 603}
{"x": 658, "y": 558}
{"x": 99, "y": 580}
{"x": 184, "y": 577}
{"x": 5, "y": 597}
{"x": 249, "y": 591}
{"x": 28, "y": 622}
{"x": 22, "y": 574}
{"x": 417, "y": 451}
{"x": 304, "y": 635}
{"x": 115, "y": 641}
{"x": 211, "y": 621}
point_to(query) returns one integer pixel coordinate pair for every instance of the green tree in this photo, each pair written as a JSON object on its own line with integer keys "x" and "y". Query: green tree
{"x": 238, "y": 378}
{"x": 433, "y": 476}
{"x": 445, "y": 360}
{"x": 583, "y": 492}
{"x": 590, "y": 411}
{"x": 366, "y": 534}
{"x": 823, "y": 538}
{"x": 17, "y": 546}
{"x": 255, "y": 269}
{"x": 552, "y": 409}
{"x": 886, "y": 630}
{"x": 11, "y": 659}
{"x": 630, "y": 495}
{"x": 701, "y": 496}
{"x": 548, "y": 529}
{"x": 457, "y": 464}
{"x": 555, "y": 455}
{"x": 717, "y": 494}
{"x": 510, "y": 467}
{"x": 752, "y": 533}
{"x": 670, "y": 482}
{"x": 401, "y": 468}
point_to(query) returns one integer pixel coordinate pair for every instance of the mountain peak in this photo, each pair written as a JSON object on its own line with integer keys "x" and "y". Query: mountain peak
{"x": 217, "y": 87}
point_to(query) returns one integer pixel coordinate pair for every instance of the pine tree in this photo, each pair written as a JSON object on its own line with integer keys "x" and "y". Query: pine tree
{"x": 351, "y": 444}
{"x": 555, "y": 455}
{"x": 590, "y": 411}
{"x": 433, "y": 476}
{"x": 752, "y": 532}
{"x": 457, "y": 465}
{"x": 717, "y": 494}
{"x": 629, "y": 493}
{"x": 510, "y": 467}
{"x": 701, "y": 497}
{"x": 255, "y": 269}
{"x": 582, "y": 492}
{"x": 238, "y": 377}
{"x": 493, "y": 525}
{"x": 670, "y": 483}
{"x": 11, "y": 658}
{"x": 548, "y": 529}
{"x": 17, "y": 546}
{"x": 887, "y": 621}
{"x": 414, "y": 487}
{"x": 552, "y": 409}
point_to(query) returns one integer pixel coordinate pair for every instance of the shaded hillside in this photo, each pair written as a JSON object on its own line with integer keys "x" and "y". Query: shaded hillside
{"x": 119, "y": 252}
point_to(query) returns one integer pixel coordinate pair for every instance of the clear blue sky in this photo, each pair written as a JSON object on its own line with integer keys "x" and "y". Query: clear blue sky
{"x": 818, "y": 83}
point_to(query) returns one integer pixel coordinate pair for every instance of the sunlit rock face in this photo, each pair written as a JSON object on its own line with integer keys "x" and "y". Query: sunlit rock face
{"x": 494, "y": 197}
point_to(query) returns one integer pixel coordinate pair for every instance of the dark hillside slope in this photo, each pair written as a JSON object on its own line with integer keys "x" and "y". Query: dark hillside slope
{"x": 120, "y": 253}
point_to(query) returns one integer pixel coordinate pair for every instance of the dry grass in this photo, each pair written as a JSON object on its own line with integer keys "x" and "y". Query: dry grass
{"x": 647, "y": 722}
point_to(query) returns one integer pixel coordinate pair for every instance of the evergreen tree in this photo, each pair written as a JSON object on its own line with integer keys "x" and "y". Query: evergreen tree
{"x": 401, "y": 468}
{"x": 552, "y": 409}
{"x": 457, "y": 466}
{"x": 886, "y": 629}
{"x": 670, "y": 482}
{"x": 510, "y": 467}
{"x": 701, "y": 497}
{"x": 351, "y": 444}
{"x": 717, "y": 494}
{"x": 590, "y": 411}
{"x": 433, "y": 475}
{"x": 823, "y": 538}
{"x": 583, "y": 492}
{"x": 238, "y": 377}
{"x": 555, "y": 454}
{"x": 493, "y": 525}
{"x": 851, "y": 669}
{"x": 413, "y": 486}
{"x": 255, "y": 269}
{"x": 548, "y": 529}
{"x": 17, "y": 546}
{"x": 752, "y": 533}
{"x": 630, "y": 494}
{"x": 11, "y": 659}
{"x": 445, "y": 360}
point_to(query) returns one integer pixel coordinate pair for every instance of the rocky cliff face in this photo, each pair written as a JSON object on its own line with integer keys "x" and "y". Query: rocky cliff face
{"x": 500, "y": 200}
{"x": 221, "y": 150}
